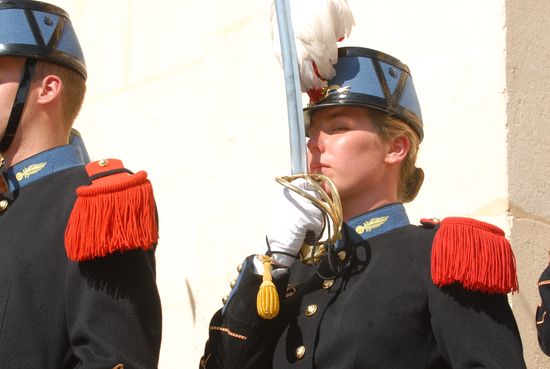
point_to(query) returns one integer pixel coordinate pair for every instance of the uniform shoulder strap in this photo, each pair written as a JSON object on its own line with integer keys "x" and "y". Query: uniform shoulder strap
{"x": 115, "y": 213}
{"x": 475, "y": 254}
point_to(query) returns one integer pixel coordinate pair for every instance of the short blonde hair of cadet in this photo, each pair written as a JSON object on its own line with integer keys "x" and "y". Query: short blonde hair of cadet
{"x": 411, "y": 177}
{"x": 74, "y": 88}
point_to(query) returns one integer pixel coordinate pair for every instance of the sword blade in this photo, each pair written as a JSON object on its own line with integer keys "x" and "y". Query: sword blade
{"x": 293, "y": 93}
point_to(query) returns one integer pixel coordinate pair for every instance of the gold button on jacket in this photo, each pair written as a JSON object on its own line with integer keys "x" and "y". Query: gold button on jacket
{"x": 310, "y": 310}
{"x": 300, "y": 352}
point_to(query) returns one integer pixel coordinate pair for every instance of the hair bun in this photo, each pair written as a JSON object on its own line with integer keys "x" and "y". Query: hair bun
{"x": 412, "y": 187}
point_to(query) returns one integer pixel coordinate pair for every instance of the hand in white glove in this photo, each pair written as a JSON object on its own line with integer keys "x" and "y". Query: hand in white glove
{"x": 292, "y": 216}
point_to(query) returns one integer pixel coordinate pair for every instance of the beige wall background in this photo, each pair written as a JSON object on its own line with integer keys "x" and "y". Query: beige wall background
{"x": 191, "y": 92}
{"x": 528, "y": 86}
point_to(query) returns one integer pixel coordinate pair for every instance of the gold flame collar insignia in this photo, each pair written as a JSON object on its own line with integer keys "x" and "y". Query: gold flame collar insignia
{"x": 371, "y": 224}
{"x": 30, "y": 171}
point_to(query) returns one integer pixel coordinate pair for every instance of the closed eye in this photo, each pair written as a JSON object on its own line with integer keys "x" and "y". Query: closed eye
{"x": 339, "y": 129}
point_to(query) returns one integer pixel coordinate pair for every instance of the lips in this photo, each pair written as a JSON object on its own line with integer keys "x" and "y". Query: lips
{"x": 317, "y": 167}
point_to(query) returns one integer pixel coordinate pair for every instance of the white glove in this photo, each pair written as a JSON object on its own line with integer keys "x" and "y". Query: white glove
{"x": 292, "y": 216}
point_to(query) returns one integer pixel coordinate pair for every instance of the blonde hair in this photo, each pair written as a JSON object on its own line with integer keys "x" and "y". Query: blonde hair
{"x": 74, "y": 88}
{"x": 411, "y": 177}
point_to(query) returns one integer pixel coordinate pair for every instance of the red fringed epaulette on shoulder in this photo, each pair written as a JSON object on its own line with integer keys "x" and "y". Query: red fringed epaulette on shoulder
{"x": 115, "y": 213}
{"x": 475, "y": 254}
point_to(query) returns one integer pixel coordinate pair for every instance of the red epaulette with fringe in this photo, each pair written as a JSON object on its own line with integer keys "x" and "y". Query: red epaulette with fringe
{"x": 475, "y": 254}
{"x": 115, "y": 213}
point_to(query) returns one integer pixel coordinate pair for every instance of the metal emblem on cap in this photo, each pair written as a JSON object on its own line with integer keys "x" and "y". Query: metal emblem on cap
{"x": 48, "y": 21}
{"x": 331, "y": 90}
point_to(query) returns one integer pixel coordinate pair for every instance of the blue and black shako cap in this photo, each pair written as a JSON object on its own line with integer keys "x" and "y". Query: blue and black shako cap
{"x": 372, "y": 79}
{"x": 35, "y": 29}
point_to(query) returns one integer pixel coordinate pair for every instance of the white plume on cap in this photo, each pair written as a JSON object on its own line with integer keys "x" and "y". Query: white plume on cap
{"x": 318, "y": 25}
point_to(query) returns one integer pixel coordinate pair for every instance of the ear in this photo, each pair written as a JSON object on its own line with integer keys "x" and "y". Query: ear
{"x": 397, "y": 150}
{"x": 50, "y": 89}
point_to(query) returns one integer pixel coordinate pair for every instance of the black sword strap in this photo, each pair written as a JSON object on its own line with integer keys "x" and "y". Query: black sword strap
{"x": 18, "y": 104}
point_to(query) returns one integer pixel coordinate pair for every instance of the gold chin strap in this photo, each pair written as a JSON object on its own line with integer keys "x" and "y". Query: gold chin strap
{"x": 267, "y": 302}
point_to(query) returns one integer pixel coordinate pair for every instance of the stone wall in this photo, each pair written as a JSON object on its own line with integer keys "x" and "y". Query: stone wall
{"x": 528, "y": 86}
{"x": 191, "y": 91}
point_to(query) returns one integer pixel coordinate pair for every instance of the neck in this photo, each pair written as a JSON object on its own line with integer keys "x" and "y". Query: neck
{"x": 353, "y": 210}
{"x": 371, "y": 194}
{"x": 368, "y": 200}
{"x": 26, "y": 145}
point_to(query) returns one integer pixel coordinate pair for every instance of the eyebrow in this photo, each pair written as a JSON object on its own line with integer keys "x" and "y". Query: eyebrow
{"x": 336, "y": 114}
{"x": 331, "y": 116}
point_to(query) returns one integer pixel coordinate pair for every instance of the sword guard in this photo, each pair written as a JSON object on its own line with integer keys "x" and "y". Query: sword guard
{"x": 329, "y": 203}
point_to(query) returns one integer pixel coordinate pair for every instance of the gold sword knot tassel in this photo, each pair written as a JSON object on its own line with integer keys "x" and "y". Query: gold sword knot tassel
{"x": 267, "y": 301}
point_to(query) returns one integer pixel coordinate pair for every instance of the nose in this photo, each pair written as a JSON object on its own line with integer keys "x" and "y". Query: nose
{"x": 316, "y": 141}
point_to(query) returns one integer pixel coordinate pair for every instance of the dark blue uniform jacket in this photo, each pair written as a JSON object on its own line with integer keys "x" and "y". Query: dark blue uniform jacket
{"x": 58, "y": 314}
{"x": 383, "y": 312}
